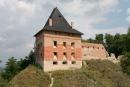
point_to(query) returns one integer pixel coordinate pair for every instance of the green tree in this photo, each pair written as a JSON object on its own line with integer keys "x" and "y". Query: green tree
{"x": 109, "y": 39}
{"x": 117, "y": 46}
{"x": 11, "y": 69}
{"x": 90, "y": 40}
{"x": 29, "y": 60}
{"x": 31, "y": 57}
{"x": 99, "y": 38}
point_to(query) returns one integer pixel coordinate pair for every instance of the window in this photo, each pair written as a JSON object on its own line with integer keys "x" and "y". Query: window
{"x": 55, "y": 62}
{"x": 72, "y": 44}
{"x": 64, "y": 62}
{"x": 55, "y": 43}
{"x": 73, "y": 55}
{"x": 55, "y": 55}
{"x": 73, "y": 62}
{"x": 64, "y": 56}
{"x": 64, "y": 44}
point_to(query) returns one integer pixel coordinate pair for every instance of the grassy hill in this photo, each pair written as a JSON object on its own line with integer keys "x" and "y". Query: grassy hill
{"x": 30, "y": 77}
{"x": 94, "y": 73}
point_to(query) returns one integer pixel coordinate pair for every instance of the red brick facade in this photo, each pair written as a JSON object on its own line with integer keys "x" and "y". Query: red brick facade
{"x": 45, "y": 47}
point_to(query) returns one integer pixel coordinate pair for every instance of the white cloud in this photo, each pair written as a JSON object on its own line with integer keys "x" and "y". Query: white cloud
{"x": 2, "y": 39}
{"x": 128, "y": 18}
{"x": 128, "y": 10}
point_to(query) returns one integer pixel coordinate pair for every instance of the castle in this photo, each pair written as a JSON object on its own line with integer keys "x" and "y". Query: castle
{"x": 58, "y": 46}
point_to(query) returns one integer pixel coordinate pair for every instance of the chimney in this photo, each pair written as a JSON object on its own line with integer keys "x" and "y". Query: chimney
{"x": 72, "y": 25}
{"x": 50, "y": 22}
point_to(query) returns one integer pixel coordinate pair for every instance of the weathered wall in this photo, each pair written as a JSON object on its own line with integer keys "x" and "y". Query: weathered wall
{"x": 48, "y": 48}
{"x": 93, "y": 51}
{"x": 82, "y": 51}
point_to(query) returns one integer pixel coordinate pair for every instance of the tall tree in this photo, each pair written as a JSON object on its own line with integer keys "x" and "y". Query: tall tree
{"x": 29, "y": 60}
{"x": 11, "y": 68}
{"x": 117, "y": 46}
{"x": 99, "y": 38}
{"x": 109, "y": 39}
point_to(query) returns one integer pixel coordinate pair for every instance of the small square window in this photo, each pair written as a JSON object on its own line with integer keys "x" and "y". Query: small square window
{"x": 73, "y": 54}
{"x": 64, "y": 54}
{"x": 64, "y": 62}
{"x": 55, "y": 53}
{"x": 64, "y": 44}
{"x": 73, "y": 62}
{"x": 55, "y": 43}
{"x": 72, "y": 44}
{"x": 55, "y": 62}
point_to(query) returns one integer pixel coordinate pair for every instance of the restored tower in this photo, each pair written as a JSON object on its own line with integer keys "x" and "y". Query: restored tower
{"x": 58, "y": 45}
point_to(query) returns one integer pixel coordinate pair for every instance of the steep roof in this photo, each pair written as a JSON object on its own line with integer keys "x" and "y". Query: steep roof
{"x": 59, "y": 24}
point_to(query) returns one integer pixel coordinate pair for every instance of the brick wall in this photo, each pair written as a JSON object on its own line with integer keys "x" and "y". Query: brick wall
{"x": 93, "y": 51}
{"x": 49, "y": 48}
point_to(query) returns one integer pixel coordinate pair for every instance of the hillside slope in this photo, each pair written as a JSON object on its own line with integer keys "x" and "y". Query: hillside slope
{"x": 30, "y": 77}
{"x": 95, "y": 73}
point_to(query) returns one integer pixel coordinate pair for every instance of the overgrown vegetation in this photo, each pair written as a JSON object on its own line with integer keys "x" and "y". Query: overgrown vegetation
{"x": 97, "y": 73}
{"x": 125, "y": 63}
{"x": 31, "y": 77}
{"x": 13, "y": 67}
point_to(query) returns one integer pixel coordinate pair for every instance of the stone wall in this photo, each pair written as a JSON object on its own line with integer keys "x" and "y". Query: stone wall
{"x": 93, "y": 51}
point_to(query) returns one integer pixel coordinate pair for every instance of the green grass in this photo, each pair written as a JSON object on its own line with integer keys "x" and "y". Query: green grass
{"x": 30, "y": 77}
{"x": 95, "y": 73}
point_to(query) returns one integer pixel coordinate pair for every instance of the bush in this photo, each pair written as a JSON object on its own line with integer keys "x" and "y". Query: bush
{"x": 125, "y": 63}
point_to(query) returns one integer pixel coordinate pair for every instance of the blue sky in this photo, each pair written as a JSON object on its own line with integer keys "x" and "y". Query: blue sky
{"x": 21, "y": 19}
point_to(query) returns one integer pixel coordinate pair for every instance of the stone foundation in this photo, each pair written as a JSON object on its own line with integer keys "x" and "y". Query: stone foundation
{"x": 49, "y": 66}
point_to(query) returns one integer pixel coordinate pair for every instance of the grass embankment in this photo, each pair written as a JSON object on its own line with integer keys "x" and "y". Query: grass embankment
{"x": 95, "y": 73}
{"x": 31, "y": 77}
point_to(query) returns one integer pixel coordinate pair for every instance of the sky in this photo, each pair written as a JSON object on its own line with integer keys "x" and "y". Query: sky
{"x": 21, "y": 19}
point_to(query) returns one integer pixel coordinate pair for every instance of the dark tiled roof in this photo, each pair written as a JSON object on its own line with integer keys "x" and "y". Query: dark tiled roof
{"x": 59, "y": 24}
